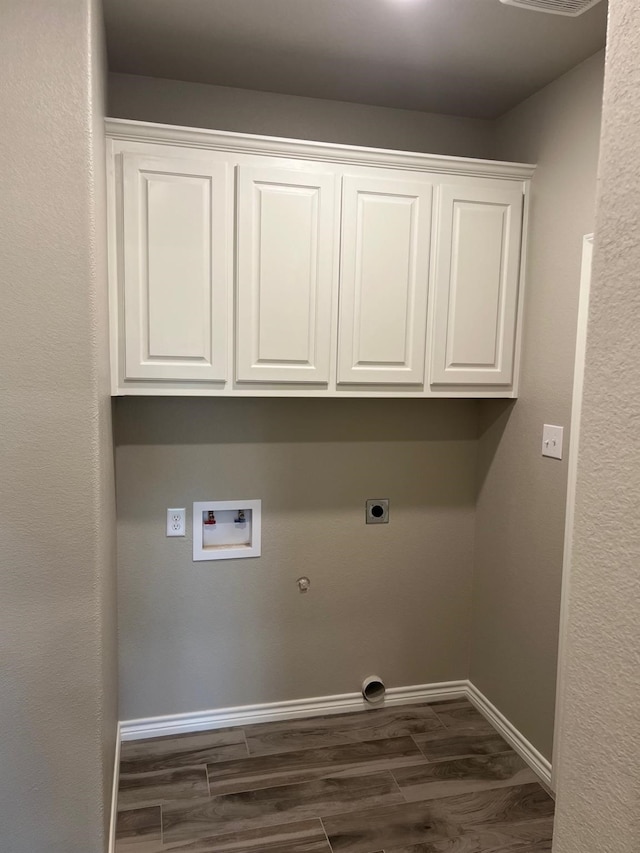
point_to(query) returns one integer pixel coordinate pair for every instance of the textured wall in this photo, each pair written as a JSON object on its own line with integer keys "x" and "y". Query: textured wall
{"x": 245, "y": 111}
{"x": 105, "y": 528}
{"x": 392, "y": 599}
{"x": 57, "y": 693}
{"x": 599, "y": 750}
{"x": 521, "y": 497}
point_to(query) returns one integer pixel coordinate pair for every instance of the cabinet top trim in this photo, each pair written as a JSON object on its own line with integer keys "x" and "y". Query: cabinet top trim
{"x": 140, "y": 131}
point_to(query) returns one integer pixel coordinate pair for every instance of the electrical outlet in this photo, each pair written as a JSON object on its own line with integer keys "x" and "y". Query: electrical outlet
{"x": 176, "y": 522}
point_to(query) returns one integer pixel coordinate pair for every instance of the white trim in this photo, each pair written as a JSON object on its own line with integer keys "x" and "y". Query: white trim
{"x": 139, "y": 388}
{"x": 536, "y": 761}
{"x": 114, "y": 275}
{"x": 246, "y": 714}
{"x": 137, "y": 131}
{"x": 114, "y": 792}
{"x": 572, "y": 476}
{"x": 176, "y": 724}
{"x": 522, "y": 278}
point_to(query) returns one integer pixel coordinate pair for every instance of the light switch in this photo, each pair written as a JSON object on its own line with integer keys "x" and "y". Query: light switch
{"x": 552, "y": 441}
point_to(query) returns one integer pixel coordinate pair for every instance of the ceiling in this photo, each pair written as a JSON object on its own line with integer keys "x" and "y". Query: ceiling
{"x": 461, "y": 57}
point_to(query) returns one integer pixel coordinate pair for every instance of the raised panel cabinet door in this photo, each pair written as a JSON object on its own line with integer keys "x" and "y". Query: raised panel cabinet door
{"x": 176, "y": 262}
{"x": 285, "y": 274}
{"x": 476, "y": 284}
{"x": 386, "y": 232}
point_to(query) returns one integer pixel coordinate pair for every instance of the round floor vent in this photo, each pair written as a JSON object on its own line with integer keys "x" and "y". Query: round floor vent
{"x": 573, "y": 8}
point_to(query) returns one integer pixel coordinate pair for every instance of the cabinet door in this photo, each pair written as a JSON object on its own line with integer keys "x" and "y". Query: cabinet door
{"x": 386, "y": 230}
{"x": 176, "y": 267}
{"x": 285, "y": 269}
{"x": 476, "y": 284}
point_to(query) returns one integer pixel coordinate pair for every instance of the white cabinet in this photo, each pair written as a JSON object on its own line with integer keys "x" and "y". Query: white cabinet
{"x": 476, "y": 283}
{"x": 175, "y": 261}
{"x": 247, "y": 265}
{"x": 285, "y": 274}
{"x": 386, "y": 230}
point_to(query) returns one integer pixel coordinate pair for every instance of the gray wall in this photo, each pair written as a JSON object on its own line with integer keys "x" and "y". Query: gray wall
{"x": 599, "y": 790}
{"x": 519, "y": 540}
{"x": 245, "y": 111}
{"x": 57, "y": 578}
{"x": 391, "y": 599}
{"x": 521, "y": 498}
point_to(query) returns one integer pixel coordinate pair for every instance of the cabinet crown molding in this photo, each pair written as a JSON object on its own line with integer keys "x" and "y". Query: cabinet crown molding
{"x": 140, "y": 131}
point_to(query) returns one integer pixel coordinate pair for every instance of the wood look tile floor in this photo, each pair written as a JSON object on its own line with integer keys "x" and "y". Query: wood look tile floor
{"x": 423, "y": 778}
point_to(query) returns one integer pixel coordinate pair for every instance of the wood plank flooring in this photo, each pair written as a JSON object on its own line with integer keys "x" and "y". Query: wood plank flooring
{"x": 423, "y": 778}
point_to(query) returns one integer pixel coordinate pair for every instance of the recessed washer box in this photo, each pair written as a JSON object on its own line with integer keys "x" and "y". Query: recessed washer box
{"x": 226, "y": 530}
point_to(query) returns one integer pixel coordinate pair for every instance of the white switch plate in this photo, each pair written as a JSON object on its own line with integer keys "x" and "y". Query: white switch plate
{"x": 176, "y": 519}
{"x": 552, "y": 441}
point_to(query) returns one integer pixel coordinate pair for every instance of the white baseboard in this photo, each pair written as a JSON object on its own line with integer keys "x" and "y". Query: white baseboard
{"x": 536, "y": 761}
{"x": 114, "y": 792}
{"x": 244, "y": 715}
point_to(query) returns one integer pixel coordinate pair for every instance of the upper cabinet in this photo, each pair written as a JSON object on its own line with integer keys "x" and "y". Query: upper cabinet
{"x": 242, "y": 265}
{"x": 476, "y": 284}
{"x": 286, "y": 239}
{"x": 384, "y": 278}
{"x": 175, "y": 253}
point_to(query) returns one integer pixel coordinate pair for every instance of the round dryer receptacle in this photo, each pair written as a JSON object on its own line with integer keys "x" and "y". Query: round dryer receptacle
{"x": 377, "y": 511}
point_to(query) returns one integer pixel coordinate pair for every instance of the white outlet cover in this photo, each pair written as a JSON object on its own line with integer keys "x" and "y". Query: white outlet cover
{"x": 552, "y": 441}
{"x": 176, "y": 521}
